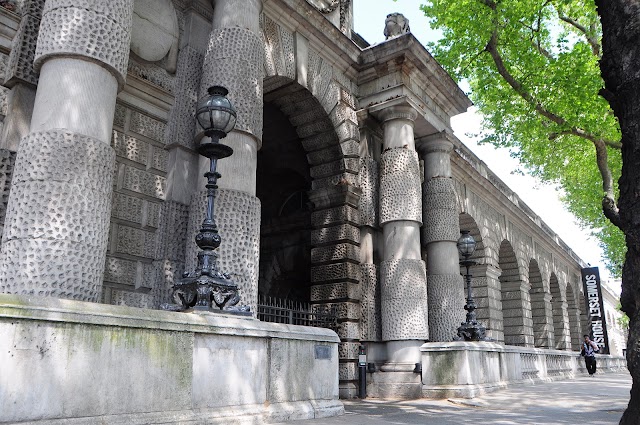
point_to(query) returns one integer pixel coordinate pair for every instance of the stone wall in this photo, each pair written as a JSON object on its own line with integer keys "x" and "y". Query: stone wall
{"x": 468, "y": 369}
{"x": 7, "y": 160}
{"x": 180, "y": 368}
{"x": 138, "y": 197}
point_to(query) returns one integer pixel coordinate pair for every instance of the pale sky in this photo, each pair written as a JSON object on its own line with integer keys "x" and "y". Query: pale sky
{"x": 369, "y": 16}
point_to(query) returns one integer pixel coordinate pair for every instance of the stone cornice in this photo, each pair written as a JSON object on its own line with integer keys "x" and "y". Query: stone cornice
{"x": 10, "y": 22}
{"x": 408, "y": 53}
{"x": 146, "y": 96}
{"x": 469, "y": 170}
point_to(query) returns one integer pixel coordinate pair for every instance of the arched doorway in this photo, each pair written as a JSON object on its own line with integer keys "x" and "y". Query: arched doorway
{"x": 540, "y": 309}
{"x": 283, "y": 180}
{"x": 560, "y": 319}
{"x": 485, "y": 285}
{"x": 518, "y": 327}
{"x": 573, "y": 310}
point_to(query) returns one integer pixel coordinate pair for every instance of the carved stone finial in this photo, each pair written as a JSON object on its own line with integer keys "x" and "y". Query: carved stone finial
{"x": 395, "y": 24}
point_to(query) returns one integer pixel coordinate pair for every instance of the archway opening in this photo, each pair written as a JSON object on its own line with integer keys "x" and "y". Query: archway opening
{"x": 517, "y": 324}
{"x": 540, "y": 308}
{"x": 573, "y": 311}
{"x": 484, "y": 285}
{"x": 560, "y": 319}
{"x": 283, "y": 180}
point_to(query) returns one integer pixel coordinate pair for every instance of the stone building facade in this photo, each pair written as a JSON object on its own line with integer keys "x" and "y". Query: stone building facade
{"x": 346, "y": 188}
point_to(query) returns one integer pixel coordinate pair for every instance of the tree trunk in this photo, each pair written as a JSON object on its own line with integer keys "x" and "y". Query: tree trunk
{"x": 620, "y": 66}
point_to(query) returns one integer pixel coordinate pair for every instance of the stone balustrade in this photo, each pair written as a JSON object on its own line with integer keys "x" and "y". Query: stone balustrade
{"x": 468, "y": 369}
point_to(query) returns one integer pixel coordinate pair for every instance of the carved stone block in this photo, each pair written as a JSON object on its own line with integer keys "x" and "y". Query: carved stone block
{"x": 147, "y": 126}
{"x": 144, "y": 182}
{"x": 371, "y": 321}
{"x": 96, "y": 30}
{"x": 403, "y": 298}
{"x": 130, "y": 148}
{"x": 234, "y": 59}
{"x": 337, "y": 252}
{"x": 128, "y": 208}
{"x": 343, "y": 272}
{"x": 19, "y": 67}
{"x": 182, "y": 115}
{"x": 400, "y": 187}
{"x": 368, "y": 179}
{"x": 336, "y": 291}
{"x": 136, "y": 242}
{"x": 344, "y": 232}
{"x": 7, "y": 161}
{"x": 446, "y": 306}
{"x": 337, "y": 215}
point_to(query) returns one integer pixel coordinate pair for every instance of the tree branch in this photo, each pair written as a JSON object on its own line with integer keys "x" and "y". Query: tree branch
{"x": 535, "y": 41}
{"x": 492, "y": 49}
{"x": 593, "y": 41}
{"x": 609, "y": 206}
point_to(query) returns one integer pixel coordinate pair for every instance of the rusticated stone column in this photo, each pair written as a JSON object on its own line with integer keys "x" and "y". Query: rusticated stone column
{"x": 56, "y": 229}
{"x": 370, "y": 325}
{"x": 234, "y": 59}
{"x": 402, "y": 273}
{"x": 440, "y": 233}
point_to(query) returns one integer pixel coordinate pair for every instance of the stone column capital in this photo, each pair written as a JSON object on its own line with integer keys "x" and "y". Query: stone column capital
{"x": 442, "y": 142}
{"x": 401, "y": 112}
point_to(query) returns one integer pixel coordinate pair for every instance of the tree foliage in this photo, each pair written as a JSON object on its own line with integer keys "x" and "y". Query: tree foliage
{"x": 532, "y": 66}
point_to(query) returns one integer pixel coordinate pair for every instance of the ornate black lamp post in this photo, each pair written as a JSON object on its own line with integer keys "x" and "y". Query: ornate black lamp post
{"x": 207, "y": 288}
{"x": 470, "y": 330}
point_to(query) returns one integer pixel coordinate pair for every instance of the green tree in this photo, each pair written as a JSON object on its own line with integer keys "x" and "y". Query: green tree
{"x": 623, "y": 321}
{"x": 619, "y": 66}
{"x": 532, "y": 66}
{"x": 533, "y": 69}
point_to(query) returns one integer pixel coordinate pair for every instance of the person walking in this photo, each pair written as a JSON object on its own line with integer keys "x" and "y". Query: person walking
{"x": 589, "y": 350}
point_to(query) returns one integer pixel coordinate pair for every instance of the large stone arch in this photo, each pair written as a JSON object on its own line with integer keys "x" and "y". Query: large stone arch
{"x": 562, "y": 339}
{"x": 541, "y": 314}
{"x": 318, "y": 101}
{"x": 485, "y": 283}
{"x": 516, "y": 306}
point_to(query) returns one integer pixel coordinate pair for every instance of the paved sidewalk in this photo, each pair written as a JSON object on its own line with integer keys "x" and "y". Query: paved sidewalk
{"x": 584, "y": 400}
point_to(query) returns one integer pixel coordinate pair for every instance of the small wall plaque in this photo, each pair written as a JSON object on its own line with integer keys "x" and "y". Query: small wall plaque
{"x": 323, "y": 352}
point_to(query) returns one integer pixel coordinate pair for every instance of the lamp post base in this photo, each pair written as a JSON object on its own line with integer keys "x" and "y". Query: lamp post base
{"x": 471, "y": 331}
{"x": 206, "y": 289}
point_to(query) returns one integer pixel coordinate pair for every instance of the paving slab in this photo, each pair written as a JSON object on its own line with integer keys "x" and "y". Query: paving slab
{"x": 583, "y": 400}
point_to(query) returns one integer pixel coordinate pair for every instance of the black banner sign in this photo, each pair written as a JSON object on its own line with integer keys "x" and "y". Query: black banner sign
{"x": 595, "y": 308}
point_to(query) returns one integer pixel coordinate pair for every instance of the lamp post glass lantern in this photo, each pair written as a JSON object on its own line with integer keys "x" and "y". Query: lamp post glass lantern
{"x": 471, "y": 329}
{"x": 207, "y": 288}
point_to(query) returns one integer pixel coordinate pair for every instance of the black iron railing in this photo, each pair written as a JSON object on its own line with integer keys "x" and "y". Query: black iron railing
{"x": 277, "y": 310}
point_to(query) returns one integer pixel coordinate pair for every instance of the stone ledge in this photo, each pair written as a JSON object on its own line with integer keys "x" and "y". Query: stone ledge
{"x": 69, "y": 311}
{"x": 252, "y": 414}
{"x": 468, "y": 369}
